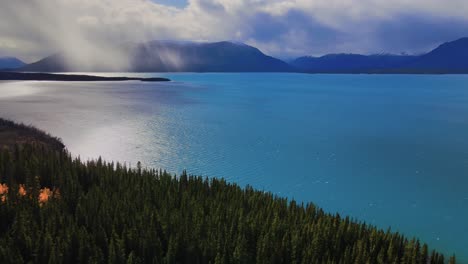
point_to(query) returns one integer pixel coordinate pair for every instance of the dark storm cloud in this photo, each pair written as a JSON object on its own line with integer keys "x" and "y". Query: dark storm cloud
{"x": 417, "y": 33}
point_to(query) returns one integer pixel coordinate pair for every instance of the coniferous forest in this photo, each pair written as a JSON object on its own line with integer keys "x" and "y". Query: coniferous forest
{"x": 59, "y": 209}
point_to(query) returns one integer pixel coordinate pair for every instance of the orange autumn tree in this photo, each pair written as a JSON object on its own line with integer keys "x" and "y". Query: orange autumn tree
{"x": 44, "y": 193}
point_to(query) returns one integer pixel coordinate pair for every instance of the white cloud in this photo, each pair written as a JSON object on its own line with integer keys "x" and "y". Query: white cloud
{"x": 88, "y": 29}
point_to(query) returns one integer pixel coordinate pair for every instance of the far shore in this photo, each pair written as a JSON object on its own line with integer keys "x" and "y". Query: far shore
{"x": 22, "y": 76}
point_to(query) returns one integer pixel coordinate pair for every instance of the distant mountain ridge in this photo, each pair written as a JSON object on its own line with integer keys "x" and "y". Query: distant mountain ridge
{"x": 351, "y": 62}
{"x": 174, "y": 56}
{"x": 10, "y": 63}
{"x": 450, "y": 57}
{"x": 229, "y": 56}
{"x": 222, "y": 56}
{"x": 53, "y": 63}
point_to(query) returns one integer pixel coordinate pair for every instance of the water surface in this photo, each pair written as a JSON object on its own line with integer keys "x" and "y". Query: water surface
{"x": 388, "y": 149}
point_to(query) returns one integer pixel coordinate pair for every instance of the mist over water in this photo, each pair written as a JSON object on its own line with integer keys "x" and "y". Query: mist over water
{"x": 390, "y": 150}
{"x": 82, "y": 36}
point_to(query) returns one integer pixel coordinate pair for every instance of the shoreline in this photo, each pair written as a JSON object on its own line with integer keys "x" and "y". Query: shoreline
{"x": 22, "y": 76}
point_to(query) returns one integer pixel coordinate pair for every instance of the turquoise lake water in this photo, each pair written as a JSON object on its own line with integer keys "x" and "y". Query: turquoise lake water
{"x": 391, "y": 150}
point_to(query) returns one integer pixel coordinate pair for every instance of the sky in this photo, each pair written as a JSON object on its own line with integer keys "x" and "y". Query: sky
{"x": 32, "y": 29}
{"x": 175, "y": 3}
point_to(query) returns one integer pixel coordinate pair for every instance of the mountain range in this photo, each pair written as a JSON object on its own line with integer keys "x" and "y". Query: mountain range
{"x": 450, "y": 57}
{"x": 348, "y": 63}
{"x": 225, "y": 56}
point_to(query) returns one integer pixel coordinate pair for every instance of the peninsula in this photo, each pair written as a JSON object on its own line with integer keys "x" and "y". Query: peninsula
{"x": 22, "y": 76}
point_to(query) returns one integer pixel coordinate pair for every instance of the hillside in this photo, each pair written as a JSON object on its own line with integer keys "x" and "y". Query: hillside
{"x": 108, "y": 213}
{"x": 167, "y": 56}
{"x": 12, "y": 134}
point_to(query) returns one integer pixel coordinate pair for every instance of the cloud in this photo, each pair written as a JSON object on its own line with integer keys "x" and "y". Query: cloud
{"x": 416, "y": 33}
{"x": 91, "y": 31}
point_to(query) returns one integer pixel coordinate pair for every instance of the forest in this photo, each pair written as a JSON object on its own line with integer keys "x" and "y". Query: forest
{"x": 105, "y": 212}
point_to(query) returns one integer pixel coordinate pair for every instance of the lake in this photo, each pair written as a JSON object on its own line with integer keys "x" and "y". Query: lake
{"x": 391, "y": 150}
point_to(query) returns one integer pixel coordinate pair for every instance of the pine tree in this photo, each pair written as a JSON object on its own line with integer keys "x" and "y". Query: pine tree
{"x": 424, "y": 257}
{"x": 452, "y": 260}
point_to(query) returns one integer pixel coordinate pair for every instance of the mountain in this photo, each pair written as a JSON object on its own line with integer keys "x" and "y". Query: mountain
{"x": 348, "y": 63}
{"x": 10, "y": 63}
{"x": 170, "y": 56}
{"x": 450, "y": 57}
{"x": 54, "y": 63}
{"x": 203, "y": 57}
